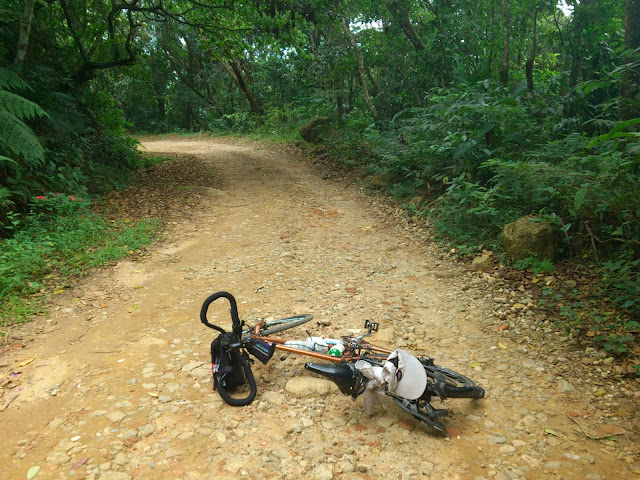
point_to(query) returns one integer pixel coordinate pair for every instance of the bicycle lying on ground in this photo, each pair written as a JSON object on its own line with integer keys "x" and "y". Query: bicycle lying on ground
{"x": 355, "y": 366}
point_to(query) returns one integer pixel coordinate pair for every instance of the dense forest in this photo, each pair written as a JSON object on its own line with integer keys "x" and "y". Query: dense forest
{"x": 471, "y": 114}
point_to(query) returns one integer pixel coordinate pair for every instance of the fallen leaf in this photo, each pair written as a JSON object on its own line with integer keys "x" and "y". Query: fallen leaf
{"x": 502, "y": 328}
{"x": 609, "y": 430}
{"x": 502, "y": 346}
{"x": 33, "y": 471}
{"x": 153, "y": 394}
{"x": 600, "y": 392}
{"x": 80, "y": 462}
{"x": 548, "y": 431}
{"x": 474, "y": 365}
{"x": 26, "y": 362}
{"x": 519, "y": 305}
{"x": 58, "y": 291}
{"x": 535, "y": 280}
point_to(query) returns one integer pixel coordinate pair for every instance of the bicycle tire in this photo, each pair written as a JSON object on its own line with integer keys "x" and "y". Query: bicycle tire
{"x": 455, "y": 385}
{"x": 282, "y": 324}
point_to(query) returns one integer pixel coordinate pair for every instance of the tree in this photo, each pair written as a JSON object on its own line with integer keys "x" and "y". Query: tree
{"x": 630, "y": 87}
{"x": 504, "y": 69}
{"x": 361, "y": 69}
{"x": 25, "y": 28}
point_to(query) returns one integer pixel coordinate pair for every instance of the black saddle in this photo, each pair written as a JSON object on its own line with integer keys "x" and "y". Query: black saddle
{"x": 343, "y": 374}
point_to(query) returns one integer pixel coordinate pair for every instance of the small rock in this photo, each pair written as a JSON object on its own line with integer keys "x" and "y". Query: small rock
{"x": 564, "y": 386}
{"x": 507, "y": 449}
{"x": 120, "y": 459}
{"x": 113, "y": 475}
{"x": 552, "y": 465}
{"x": 146, "y": 430}
{"x": 58, "y": 458}
{"x": 482, "y": 262}
{"x": 303, "y": 387}
{"x": 172, "y": 452}
{"x": 322, "y": 472}
{"x": 115, "y": 416}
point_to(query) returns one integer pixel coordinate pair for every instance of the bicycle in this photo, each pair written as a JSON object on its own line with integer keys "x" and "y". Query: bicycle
{"x": 361, "y": 368}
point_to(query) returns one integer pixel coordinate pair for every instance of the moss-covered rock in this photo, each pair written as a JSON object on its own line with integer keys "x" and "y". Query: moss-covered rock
{"x": 530, "y": 237}
{"x": 316, "y": 129}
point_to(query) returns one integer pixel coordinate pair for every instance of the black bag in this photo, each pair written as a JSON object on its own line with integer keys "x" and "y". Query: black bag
{"x": 226, "y": 366}
{"x": 260, "y": 349}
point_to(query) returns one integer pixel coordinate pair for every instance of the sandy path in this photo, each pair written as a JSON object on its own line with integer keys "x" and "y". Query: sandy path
{"x": 119, "y": 385}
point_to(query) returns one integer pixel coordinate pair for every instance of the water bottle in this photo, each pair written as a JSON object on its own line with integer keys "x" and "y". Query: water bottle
{"x": 319, "y": 344}
{"x": 311, "y": 344}
{"x": 337, "y": 349}
{"x": 307, "y": 345}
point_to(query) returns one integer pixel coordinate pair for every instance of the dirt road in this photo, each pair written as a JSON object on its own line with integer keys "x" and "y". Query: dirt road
{"x": 114, "y": 383}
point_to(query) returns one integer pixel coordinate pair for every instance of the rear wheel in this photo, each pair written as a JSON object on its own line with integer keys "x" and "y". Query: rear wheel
{"x": 282, "y": 324}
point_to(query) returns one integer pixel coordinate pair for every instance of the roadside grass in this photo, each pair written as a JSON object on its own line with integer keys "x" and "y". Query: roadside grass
{"x": 59, "y": 241}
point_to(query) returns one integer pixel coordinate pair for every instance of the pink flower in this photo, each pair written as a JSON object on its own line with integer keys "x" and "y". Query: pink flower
{"x": 72, "y": 197}
{"x": 40, "y": 197}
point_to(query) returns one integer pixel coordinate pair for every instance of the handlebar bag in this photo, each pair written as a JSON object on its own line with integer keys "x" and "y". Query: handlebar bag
{"x": 260, "y": 349}
{"x": 226, "y": 364}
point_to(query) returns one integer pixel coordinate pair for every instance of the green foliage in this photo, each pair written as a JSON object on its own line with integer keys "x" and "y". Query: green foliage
{"x": 471, "y": 216}
{"x": 615, "y": 343}
{"x": 59, "y": 240}
{"x": 17, "y": 140}
{"x": 535, "y": 265}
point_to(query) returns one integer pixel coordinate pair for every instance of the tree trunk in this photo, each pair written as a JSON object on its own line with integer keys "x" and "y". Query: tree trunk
{"x": 361, "y": 70}
{"x": 529, "y": 65}
{"x": 234, "y": 69}
{"x": 25, "y": 29}
{"x": 580, "y": 22}
{"x": 504, "y": 70}
{"x": 631, "y": 76}
{"x": 400, "y": 12}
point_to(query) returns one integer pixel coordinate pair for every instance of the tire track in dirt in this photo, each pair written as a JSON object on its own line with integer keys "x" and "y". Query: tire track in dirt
{"x": 120, "y": 388}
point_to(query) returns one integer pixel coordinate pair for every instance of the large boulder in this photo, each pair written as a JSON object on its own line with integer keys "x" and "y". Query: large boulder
{"x": 316, "y": 130}
{"x": 529, "y": 237}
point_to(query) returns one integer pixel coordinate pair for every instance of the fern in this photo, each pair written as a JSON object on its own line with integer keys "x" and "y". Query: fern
{"x": 11, "y": 81}
{"x": 15, "y": 136}
{"x": 19, "y": 139}
{"x": 19, "y": 106}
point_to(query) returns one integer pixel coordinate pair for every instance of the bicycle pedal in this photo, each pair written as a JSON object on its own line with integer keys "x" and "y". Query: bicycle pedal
{"x": 440, "y": 412}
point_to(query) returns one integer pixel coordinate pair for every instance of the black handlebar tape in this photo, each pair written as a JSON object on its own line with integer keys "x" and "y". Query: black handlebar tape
{"x": 240, "y": 402}
{"x": 237, "y": 327}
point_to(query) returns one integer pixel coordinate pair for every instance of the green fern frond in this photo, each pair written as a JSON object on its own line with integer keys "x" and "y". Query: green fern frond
{"x": 17, "y": 138}
{"x": 19, "y": 106}
{"x": 7, "y": 160}
{"x": 11, "y": 81}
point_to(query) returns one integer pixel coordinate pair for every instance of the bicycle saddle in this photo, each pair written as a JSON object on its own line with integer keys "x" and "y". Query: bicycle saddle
{"x": 343, "y": 374}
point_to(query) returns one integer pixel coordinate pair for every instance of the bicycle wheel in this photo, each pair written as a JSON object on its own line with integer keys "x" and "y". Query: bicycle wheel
{"x": 282, "y": 324}
{"x": 453, "y": 384}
